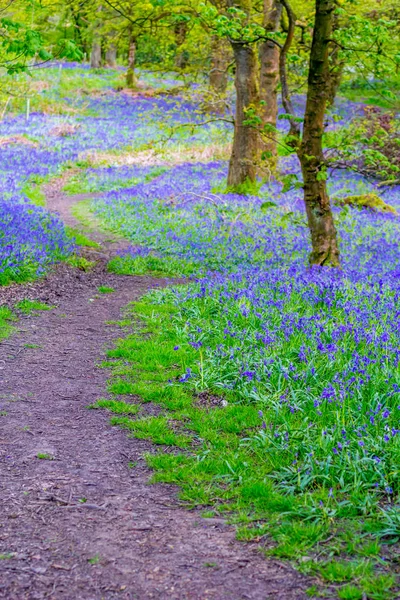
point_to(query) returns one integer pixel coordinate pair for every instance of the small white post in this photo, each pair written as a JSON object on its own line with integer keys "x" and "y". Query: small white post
{"x": 28, "y": 107}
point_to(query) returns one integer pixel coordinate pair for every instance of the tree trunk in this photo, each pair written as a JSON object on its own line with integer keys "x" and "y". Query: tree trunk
{"x": 111, "y": 56}
{"x": 95, "y": 56}
{"x": 79, "y": 29}
{"x": 180, "y": 31}
{"x": 320, "y": 219}
{"x": 269, "y": 79}
{"x": 336, "y": 67}
{"x": 130, "y": 74}
{"x": 244, "y": 161}
{"x": 218, "y": 77}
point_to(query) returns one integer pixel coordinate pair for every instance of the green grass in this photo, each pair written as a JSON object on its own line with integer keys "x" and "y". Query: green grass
{"x": 83, "y": 213}
{"x": 44, "y": 456}
{"x": 34, "y": 193}
{"x": 82, "y": 183}
{"x": 117, "y": 406}
{"x": 104, "y": 289}
{"x": 215, "y": 466}
{"x": 80, "y": 239}
{"x": 80, "y": 262}
{"x": 25, "y": 273}
{"x": 6, "y": 322}
{"x": 151, "y": 265}
{"x": 27, "y": 307}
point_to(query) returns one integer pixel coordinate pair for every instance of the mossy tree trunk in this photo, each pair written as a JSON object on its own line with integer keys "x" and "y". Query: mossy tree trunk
{"x": 336, "y": 66}
{"x": 319, "y": 214}
{"x": 180, "y": 31}
{"x": 111, "y": 56}
{"x": 269, "y": 79}
{"x": 95, "y": 55}
{"x": 130, "y": 73}
{"x": 244, "y": 161}
{"x": 220, "y": 55}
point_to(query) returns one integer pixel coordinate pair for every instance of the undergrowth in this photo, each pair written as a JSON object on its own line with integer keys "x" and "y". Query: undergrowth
{"x": 226, "y": 462}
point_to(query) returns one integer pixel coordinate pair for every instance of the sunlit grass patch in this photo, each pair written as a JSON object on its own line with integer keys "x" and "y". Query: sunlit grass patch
{"x": 162, "y": 156}
{"x": 150, "y": 265}
{"x": 116, "y": 406}
{"x": 28, "y": 307}
{"x": 34, "y": 194}
{"x": 157, "y": 429}
{"x": 6, "y": 322}
{"x": 80, "y": 262}
{"x": 83, "y": 213}
{"x": 80, "y": 239}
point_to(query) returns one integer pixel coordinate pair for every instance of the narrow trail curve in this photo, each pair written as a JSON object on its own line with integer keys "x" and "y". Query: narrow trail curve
{"x": 84, "y": 525}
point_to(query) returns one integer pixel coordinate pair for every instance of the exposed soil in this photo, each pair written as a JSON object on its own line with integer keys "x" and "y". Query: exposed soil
{"x": 82, "y": 522}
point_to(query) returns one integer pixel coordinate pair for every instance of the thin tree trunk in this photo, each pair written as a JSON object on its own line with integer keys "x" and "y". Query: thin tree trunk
{"x": 269, "y": 79}
{"x": 244, "y": 161}
{"x": 95, "y": 56}
{"x": 79, "y": 28}
{"x": 130, "y": 73}
{"x": 294, "y": 132}
{"x": 320, "y": 219}
{"x": 336, "y": 66}
{"x": 180, "y": 31}
{"x": 111, "y": 56}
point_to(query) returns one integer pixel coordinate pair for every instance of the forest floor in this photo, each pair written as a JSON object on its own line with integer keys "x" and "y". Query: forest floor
{"x": 80, "y": 520}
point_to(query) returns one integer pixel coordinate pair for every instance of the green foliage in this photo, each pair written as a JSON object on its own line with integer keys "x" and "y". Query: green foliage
{"x": 80, "y": 239}
{"x": 27, "y": 306}
{"x": 22, "y": 41}
{"x": 150, "y": 265}
{"x": 80, "y": 262}
{"x": 6, "y": 320}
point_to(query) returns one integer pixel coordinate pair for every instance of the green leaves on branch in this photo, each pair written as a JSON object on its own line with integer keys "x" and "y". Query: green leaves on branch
{"x": 20, "y": 44}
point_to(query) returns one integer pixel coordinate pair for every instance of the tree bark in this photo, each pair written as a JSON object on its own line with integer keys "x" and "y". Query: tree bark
{"x": 180, "y": 31}
{"x": 319, "y": 214}
{"x": 294, "y": 132}
{"x": 269, "y": 78}
{"x": 336, "y": 66}
{"x": 130, "y": 73}
{"x": 111, "y": 56}
{"x": 95, "y": 56}
{"x": 218, "y": 77}
{"x": 244, "y": 161}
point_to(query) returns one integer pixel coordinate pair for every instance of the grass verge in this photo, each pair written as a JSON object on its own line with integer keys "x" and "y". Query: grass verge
{"x": 221, "y": 465}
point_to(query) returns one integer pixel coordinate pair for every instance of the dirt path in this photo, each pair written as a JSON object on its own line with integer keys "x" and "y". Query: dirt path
{"x": 84, "y": 525}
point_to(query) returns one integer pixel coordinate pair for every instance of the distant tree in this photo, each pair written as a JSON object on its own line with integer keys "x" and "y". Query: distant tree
{"x": 269, "y": 77}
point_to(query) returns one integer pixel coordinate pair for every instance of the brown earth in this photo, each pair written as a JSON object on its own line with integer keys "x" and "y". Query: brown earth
{"x": 82, "y": 522}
